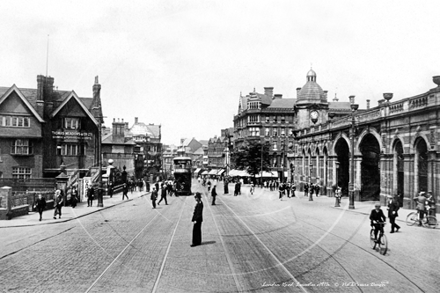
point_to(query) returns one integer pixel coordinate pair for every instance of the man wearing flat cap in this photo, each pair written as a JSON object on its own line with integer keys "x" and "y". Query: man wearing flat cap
{"x": 197, "y": 219}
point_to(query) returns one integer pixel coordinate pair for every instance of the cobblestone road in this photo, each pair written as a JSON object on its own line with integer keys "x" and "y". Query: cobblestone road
{"x": 250, "y": 244}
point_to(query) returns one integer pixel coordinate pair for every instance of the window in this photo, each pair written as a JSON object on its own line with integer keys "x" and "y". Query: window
{"x": 21, "y": 173}
{"x": 254, "y": 131}
{"x": 267, "y": 119}
{"x": 283, "y": 119}
{"x": 14, "y": 121}
{"x": 291, "y": 132}
{"x": 275, "y": 132}
{"x": 71, "y": 123}
{"x": 71, "y": 150}
{"x": 267, "y": 131}
{"x": 283, "y": 132}
{"x": 253, "y": 119}
{"x": 274, "y": 118}
{"x": 21, "y": 147}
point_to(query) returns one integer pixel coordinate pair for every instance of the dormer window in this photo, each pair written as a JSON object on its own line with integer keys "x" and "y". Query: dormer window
{"x": 71, "y": 123}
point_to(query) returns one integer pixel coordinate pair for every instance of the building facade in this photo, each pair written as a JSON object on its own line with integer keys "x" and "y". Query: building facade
{"x": 44, "y": 128}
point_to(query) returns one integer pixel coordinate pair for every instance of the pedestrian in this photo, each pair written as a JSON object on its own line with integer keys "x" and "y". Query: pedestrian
{"x": 124, "y": 191}
{"x": 293, "y": 189}
{"x": 281, "y": 191}
{"x": 252, "y": 189}
{"x": 306, "y": 189}
{"x": 110, "y": 189}
{"x": 236, "y": 188}
{"x": 317, "y": 189}
{"x": 287, "y": 187}
{"x": 58, "y": 203}
{"x": 209, "y": 185}
{"x": 225, "y": 186}
{"x": 393, "y": 207}
{"x": 147, "y": 184}
{"x": 73, "y": 197}
{"x": 240, "y": 182}
{"x": 197, "y": 219}
{"x": 40, "y": 204}
{"x": 431, "y": 204}
{"x": 153, "y": 197}
{"x": 163, "y": 195}
{"x": 421, "y": 201}
{"x": 90, "y": 193}
{"x": 214, "y": 193}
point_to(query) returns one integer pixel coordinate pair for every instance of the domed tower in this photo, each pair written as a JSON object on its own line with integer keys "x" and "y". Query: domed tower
{"x": 311, "y": 103}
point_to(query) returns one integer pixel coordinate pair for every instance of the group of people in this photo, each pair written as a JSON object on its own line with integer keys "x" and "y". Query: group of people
{"x": 166, "y": 188}
{"x": 312, "y": 189}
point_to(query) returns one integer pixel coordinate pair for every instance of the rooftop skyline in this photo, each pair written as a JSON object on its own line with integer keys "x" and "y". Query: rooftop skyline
{"x": 184, "y": 64}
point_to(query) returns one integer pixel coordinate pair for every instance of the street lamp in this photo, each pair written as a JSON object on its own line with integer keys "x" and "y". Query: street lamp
{"x": 310, "y": 184}
{"x": 354, "y": 108}
{"x": 100, "y": 201}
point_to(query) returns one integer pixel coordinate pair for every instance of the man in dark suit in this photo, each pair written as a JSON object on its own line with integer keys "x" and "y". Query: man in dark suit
{"x": 214, "y": 193}
{"x": 197, "y": 219}
{"x": 163, "y": 194}
{"x": 377, "y": 219}
{"x": 393, "y": 207}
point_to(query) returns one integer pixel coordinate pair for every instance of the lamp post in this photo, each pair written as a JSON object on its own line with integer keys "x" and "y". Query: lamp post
{"x": 310, "y": 183}
{"x": 100, "y": 201}
{"x": 354, "y": 108}
{"x": 337, "y": 193}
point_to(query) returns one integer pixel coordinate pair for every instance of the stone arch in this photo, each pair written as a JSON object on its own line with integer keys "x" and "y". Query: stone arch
{"x": 317, "y": 163}
{"x": 370, "y": 150}
{"x": 421, "y": 148}
{"x": 415, "y": 139}
{"x": 342, "y": 153}
{"x": 340, "y": 135}
{"x": 372, "y": 131}
{"x": 325, "y": 169}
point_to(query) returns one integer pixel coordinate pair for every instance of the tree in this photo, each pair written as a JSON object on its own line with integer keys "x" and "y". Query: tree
{"x": 248, "y": 157}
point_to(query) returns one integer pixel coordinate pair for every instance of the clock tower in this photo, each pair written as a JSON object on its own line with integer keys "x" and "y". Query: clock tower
{"x": 311, "y": 104}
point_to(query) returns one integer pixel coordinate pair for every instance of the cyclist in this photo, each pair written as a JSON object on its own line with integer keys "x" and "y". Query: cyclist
{"x": 377, "y": 219}
{"x": 421, "y": 201}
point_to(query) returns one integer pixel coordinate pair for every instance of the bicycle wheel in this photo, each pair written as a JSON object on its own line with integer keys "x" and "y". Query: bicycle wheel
{"x": 383, "y": 246}
{"x": 430, "y": 222}
{"x": 372, "y": 241}
{"x": 411, "y": 219}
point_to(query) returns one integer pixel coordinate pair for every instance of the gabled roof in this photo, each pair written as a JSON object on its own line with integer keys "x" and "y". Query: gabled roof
{"x": 74, "y": 96}
{"x": 14, "y": 88}
{"x": 283, "y": 103}
{"x": 108, "y": 139}
{"x": 140, "y": 129}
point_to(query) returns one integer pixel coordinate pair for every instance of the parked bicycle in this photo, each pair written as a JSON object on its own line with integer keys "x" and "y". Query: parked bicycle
{"x": 380, "y": 245}
{"x": 428, "y": 221}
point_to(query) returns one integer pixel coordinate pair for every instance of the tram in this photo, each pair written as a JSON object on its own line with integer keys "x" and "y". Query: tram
{"x": 182, "y": 175}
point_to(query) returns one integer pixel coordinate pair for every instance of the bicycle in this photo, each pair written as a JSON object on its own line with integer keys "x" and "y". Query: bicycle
{"x": 428, "y": 221}
{"x": 382, "y": 244}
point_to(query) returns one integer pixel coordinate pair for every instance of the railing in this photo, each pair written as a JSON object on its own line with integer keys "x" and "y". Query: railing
{"x": 29, "y": 197}
{"x": 418, "y": 103}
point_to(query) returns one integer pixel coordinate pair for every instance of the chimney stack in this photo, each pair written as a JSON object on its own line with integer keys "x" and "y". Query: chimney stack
{"x": 268, "y": 91}
{"x": 351, "y": 99}
{"x": 277, "y": 96}
{"x": 40, "y": 87}
{"x": 136, "y": 120}
{"x": 298, "y": 89}
{"x": 118, "y": 131}
{"x": 368, "y": 104}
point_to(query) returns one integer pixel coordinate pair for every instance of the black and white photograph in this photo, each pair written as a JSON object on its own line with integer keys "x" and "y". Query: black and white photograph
{"x": 173, "y": 146}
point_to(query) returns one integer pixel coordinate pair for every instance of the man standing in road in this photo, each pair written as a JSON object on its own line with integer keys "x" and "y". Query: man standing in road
{"x": 214, "y": 193}
{"x": 153, "y": 197}
{"x": 197, "y": 219}
{"x": 58, "y": 203}
{"x": 393, "y": 207}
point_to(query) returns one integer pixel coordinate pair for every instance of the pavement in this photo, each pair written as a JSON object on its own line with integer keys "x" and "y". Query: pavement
{"x": 68, "y": 213}
{"x": 81, "y": 210}
{"x": 361, "y": 207}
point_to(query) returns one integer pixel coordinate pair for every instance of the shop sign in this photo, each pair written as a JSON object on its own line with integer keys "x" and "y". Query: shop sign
{"x": 73, "y": 135}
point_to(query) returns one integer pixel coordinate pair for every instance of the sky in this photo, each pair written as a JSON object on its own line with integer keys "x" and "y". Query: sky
{"x": 183, "y": 64}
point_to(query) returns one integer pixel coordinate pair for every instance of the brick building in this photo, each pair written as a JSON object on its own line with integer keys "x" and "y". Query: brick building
{"x": 44, "y": 128}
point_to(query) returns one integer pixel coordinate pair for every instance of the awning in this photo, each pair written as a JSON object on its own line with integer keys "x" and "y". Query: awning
{"x": 267, "y": 174}
{"x": 213, "y": 172}
{"x": 198, "y": 170}
{"x": 205, "y": 173}
{"x": 220, "y": 172}
{"x": 232, "y": 172}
